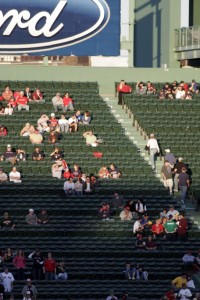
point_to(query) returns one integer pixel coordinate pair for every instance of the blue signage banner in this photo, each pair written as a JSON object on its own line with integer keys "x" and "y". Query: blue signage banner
{"x": 60, "y": 27}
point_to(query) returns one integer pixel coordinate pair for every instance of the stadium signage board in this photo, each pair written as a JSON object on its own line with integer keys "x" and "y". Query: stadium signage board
{"x": 42, "y": 26}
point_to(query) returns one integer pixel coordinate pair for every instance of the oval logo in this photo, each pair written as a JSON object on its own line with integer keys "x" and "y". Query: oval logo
{"x": 35, "y": 26}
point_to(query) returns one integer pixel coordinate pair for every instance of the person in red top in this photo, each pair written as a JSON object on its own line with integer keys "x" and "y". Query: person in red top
{"x": 19, "y": 262}
{"x": 170, "y": 295}
{"x": 53, "y": 122}
{"x": 13, "y": 103}
{"x": 16, "y": 94}
{"x": 22, "y": 101}
{"x": 182, "y": 228}
{"x": 122, "y": 89}
{"x": 67, "y": 102}
{"x": 3, "y": 131}
{"x": 49, "y": 268}
{"x": 157, "y": 228}
{"x": 38, "y": 96}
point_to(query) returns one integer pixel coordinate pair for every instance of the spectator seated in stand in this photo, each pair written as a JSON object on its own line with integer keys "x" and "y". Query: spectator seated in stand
{"x": 31, "y": 217}
{"x": 27, "y": 130}
{"x": 42, "y": 124}
{"x": 188, "y": 260}
{"x": 86, "y": 118}
{"x": 126, "y": 214}
{"x": 3, "y": 176}
{"x": 88, "y": 186}
{"x": 151, "y": 90}
{"x": 193, "y": 87}
{"x": 57, "y": 169}
{"x": 76, "y": 172}
{"x": 7, "y": 221}
{"x": 54, "y": 136}
{"x": 13, "y": 103}
{"x": 91, "y": 139}
{"x": 150, "y": 244}
{"x": 68, "y": 103}
{"x": 56, "y": 154}
{"x": 22, "y": 102}
{"x": 61, "y": 273}
{"x": 145, "y": 222}
{"x": 15, "y": 176}
{"x": 78, "y": 187}
{"x": 9, "y": 155}
{"x": 69, "y": 187}
{"x": 137, "y": 227}
{"x": 53, "y": 122}
{"x": 103, "y": 172}
{"x": 3, "y": 130}
{"x": 114, "y": 172}
{"x": 20, "y": 155}
{"x": 7, "y": 94}
{"x": 73, "y": 124}
{"x": 184, "y": 293}
{"x": 140, "y": 243}
{"x": 173, "y": 212}
{"x": 2, "y": 111}
{"x": 28, "y": 93}
{"x": 43, "y": 217}
{"x": 57, "y": 102}
{"x": 37, "y": 154}
{"x": 8, "y": 110}
{"x": 63, "y": 124}
{"x": 117, "y": 202}
{"x": 66, "y": 173}
{"x": 141, "y": 89}
{"x": 37, "y": 96}
{"x": 141, "y": 273}
{"x": 129, "y": 271}
{"x": 79, "y": 116}
{"x": 140, "y": 207}
{"x": 104, "y": 212}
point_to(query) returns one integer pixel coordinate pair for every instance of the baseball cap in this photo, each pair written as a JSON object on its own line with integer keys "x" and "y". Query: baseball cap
{"x": 52, "y": 115}
{"x": 8, "y": 146}
{"x": 28, "y": 279}
{"x": 167, "y": 150}
{"x": 31, "y": 210}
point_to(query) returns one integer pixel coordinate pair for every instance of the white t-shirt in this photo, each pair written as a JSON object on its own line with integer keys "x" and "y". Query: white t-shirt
{"x": 184, "y": 294}
{"x": 15, "y": 174}
{"x": 136, "y": 226}
{"x": 62, "y": 121}
{"x": 72, "y": 120}
{"x": 188, "y": 258}
{"x": 7, "y": 280}
{"x": 153, "y": 144}
{"x": 173, "y": 213}
{"x": 190, "y": 284}
{"x": 8, "y": 111}
{"x": 180, "y": 94}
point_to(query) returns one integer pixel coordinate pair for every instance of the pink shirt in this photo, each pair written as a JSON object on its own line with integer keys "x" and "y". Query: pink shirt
{"x": 19, "y": 262}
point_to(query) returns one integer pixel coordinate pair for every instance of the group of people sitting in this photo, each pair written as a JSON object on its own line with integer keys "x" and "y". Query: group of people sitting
{"x": 175, "y": 90}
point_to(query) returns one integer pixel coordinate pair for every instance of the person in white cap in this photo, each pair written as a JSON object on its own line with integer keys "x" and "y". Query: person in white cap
{"x": 30, "y": 290}
{"x": 57, "y": 102}
{"x": 170, "y": 157}
{"x": 152, "y": 144}
{"x": 31, "y": 218}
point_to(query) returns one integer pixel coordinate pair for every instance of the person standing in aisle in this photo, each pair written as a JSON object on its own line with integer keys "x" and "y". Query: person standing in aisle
{"x": 153, "y": 147}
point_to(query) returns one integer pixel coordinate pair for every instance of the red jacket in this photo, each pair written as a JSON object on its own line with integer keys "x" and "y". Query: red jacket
{"x": 22, "y": 100}
{"x": 50, "y": 265}
{"x": 125, "y": 89}
{"x": 67, "y": 101}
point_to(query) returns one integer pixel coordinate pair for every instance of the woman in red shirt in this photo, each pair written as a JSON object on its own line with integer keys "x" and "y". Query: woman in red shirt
{"x": 157, "y": 228}
{"x": 123, "y": 88}
{"x": 19, "y": 262}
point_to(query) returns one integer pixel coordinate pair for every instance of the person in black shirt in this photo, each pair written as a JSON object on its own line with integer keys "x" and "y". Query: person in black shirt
{"x": 38, "y": 262}
{"x": 37, "y": 154}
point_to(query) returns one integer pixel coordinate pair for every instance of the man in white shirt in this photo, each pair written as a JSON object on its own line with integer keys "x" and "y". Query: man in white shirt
{"x": 112, "y": 296}
{"x": 63, "y": 124}
{"x": 152, "y": 144}
{"x": 15, "y": 176}
{"x": 8, "y": 280}
{"x": 173, "y": 212}
{"x": 137, "y": 227}
{"x": 184, "y": 293}
{"x": 57, "y": 102}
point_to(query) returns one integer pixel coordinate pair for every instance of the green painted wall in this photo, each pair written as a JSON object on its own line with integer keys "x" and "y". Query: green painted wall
{"x": 196, "y": 12}
{"x": 155, "y": 21}
{"x": 106, "y": 77}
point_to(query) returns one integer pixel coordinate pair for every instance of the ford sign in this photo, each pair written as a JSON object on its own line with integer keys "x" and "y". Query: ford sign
{"x": 44, "y": 25}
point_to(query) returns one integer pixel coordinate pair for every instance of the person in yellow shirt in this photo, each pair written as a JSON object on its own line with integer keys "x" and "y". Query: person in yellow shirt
{"x": 178, "y": 281}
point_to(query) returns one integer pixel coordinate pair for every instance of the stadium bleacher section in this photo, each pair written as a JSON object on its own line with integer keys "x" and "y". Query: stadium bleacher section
{"x": 94, "y": 251}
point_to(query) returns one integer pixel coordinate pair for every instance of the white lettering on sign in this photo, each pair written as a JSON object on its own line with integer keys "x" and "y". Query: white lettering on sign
{"x": 23, "y": 20}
